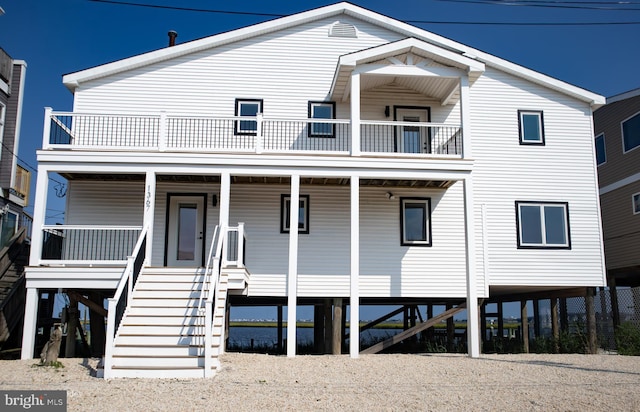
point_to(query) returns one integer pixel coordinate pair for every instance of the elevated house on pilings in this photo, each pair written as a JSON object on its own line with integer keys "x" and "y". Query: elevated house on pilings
{"x": 336, "y": 156}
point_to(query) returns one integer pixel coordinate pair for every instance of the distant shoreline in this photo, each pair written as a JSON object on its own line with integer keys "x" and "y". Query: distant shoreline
{"x": 309, "y": 324}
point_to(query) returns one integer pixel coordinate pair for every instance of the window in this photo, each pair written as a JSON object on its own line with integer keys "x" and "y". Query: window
{"x": 2, "y": 111}
{"x": 321, "y": 110}
{"x": 631, "y": 132}
{"x": 601, "y": 153}
{"x": 543, "y": 225}
{"x": 303, "y": 214}
{"x": 415, "y": 221}
{"x": 635, "y": 199}
{"x": 530, "y": 127}
{"x": 250, "y": 108}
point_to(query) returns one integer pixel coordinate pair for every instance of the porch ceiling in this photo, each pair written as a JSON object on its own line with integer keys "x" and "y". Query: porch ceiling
{"x": 276, "y": 180}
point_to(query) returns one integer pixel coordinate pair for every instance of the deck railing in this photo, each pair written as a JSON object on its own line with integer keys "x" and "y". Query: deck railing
{"x": 164, "y": 132}
{"x": 68, "y": 244}
{"x": 234, "y": 247}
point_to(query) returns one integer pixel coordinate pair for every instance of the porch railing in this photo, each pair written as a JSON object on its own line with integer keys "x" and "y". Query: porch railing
{"x": 122, "y": 297}
{"x": 234, "y": 247}
{"x": 69, "y": 244}
{"x": 164, "y": 132}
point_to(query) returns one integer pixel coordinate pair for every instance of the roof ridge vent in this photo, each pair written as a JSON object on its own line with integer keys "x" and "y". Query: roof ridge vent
{"x": 340, "y": 29}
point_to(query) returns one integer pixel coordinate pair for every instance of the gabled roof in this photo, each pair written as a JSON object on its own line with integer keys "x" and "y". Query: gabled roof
{"x": 623, "y": 96}
{"x": 72, "y": 80}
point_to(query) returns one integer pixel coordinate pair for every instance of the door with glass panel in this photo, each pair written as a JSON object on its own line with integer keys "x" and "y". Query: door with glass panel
{"x": 185, "y": 230}
{"x": 412, "y": 139}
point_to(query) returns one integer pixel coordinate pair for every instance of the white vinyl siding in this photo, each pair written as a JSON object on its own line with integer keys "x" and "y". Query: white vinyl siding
{"x": 561, "y": 171}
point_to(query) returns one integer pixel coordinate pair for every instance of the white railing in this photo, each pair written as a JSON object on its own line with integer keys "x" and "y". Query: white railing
{"x": 212, "y": 279}
{"x": 122, "y": 297}
{"x": 90, "y": 244}
{"x": 165, "y": 132}
{"x": 233, "y": 251}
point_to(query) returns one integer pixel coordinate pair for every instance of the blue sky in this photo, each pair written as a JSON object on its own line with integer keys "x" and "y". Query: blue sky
{"x": 56, "y": 37}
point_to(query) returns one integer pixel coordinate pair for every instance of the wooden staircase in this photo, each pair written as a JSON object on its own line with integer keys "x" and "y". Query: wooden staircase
{"x": 13, "y": 259}
{"x": 162, "y": 331}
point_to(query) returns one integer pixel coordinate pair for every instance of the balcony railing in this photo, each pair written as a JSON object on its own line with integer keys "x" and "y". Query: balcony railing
{"x": 248, "y": 134}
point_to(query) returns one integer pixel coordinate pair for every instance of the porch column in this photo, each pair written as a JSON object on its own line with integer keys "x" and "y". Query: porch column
{"x": 354, "y": 318}
{"x": 473, "y": 321}
{"x": 39, "y": 213}
{"x": 355, "y": 114}
{"x": 223, "y": 221}
{"x": 149, "y": 210}
{"x": 30, "y": 323}
{"x": 292, "y": 278}
{"x": 465, "y": 118}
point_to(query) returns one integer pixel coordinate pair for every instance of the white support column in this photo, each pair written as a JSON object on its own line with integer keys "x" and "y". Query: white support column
{"x": 355, "y": 114}
{"x": 225, "y": 195}
{"x": 149, "y": 210}
{"x": 30, "y": 323}
{"x": 46, "y": 128}
{"x": 465, "y": 118}
{"x": 292, "y": 278}
{"x": 354, "y": 311}
{"x": 473, "y": 320}
{"x": 39, "y": 213}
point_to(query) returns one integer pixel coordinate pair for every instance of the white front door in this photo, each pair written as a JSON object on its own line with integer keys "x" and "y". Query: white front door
{"x": 185, "y": 231}
{"x": 412, "y": 139}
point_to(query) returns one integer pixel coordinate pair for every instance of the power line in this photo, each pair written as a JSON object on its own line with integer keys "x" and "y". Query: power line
{"x": 553, "y": 5}
{"x": 28, "y": 165}
{"x": 246, "y": 13}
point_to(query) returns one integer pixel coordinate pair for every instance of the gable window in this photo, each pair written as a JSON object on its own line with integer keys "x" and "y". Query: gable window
{"x": 415, "y": 221}
{"x": 631, "y": 132}
{"x": 303, "y": 214}
{"x": 249, "y": 108}
{"x": 543, "y": 225}
{"x": 601, "y": 153}
{"x": 635, "y": 199}
{"x": 530, "y": 127}
{"x": 321, "y": 110}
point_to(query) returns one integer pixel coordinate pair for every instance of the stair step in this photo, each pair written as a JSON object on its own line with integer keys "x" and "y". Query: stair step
{"x": 158, "y": 361}
{"x": 157, "y": 373}
{"x": 161, "y": 330}
{"x": 146, "y": 350}
{"x": 190, "y": 286}
{"x": 158, "y": 340}
{"x": 163, "y": 320}
{"x": 165, "y": 303}
{"x": 163, "y": 311}
{"x": 166, "y": 294}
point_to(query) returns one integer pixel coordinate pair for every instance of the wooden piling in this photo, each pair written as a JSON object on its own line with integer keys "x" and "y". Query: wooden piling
{"x": 337, "y": 327}
{"x": 591, "y": 321}
{"x": 525, "y": 326}
{"x": 554, "y": 325}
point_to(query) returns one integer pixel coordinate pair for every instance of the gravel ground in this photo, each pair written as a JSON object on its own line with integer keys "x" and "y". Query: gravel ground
{"x": 371, "y": 383}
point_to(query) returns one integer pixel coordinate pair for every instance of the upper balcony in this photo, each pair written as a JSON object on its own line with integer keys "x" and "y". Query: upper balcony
{"x": 169, "y": 133}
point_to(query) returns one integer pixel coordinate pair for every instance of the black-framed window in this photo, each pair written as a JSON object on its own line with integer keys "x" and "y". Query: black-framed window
{"x": 601, "y": 151}
{"x": 635, "y": 202}
{"x": 303, "y": 214}
{"x": 321, "y": 110}
{"x": 249, "y": 108}
{"x": 631, "y": 132}
{"x": 543, "y": 225}
{"x": 531, "y": 127}
{"x": 415, "y": 221}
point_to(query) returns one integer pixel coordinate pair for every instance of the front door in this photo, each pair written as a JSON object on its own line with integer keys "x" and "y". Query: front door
{"x": 185, "y": 230}
{"x": 412, "y": 139}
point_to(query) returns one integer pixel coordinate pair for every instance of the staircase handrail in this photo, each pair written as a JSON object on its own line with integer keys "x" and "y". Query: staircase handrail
{"x": 6, "y": 260}
{"x": 207, "y": 269}
{"x": 214, "y": 266}
{"x": 127, "y": 282}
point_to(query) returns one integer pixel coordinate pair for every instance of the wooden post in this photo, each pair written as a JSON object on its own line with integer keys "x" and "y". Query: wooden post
{"x": 431, "y": 331}
{"x": 603, "y": 316}
{"x": 72, "y": 325}
{"x": 591, "y": 321}
{"x": 343, "y": 331}
{"x": 280, "y": 327}
{"x": 483, "y": 323}
{"x": 451, "y": 330}
{"x": 500, "y": 320}
{"x": 564, "y": 315}
{"x": 536, "y": 318}
{"x": 328, "y": 326}
{"x": 525, "y": 326}
{"x": 97, "y": 327}
{"x": 318, "y": 329}
{"x": 615, "y": 310}
{"x": 337, "y": 327}
{"x": 554, "y": 324}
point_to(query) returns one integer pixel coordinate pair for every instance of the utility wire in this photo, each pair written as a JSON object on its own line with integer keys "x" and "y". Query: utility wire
{"x": 547, "y": 5}
{"x": 27, "y": 164}
{"x": 246, "y": 13}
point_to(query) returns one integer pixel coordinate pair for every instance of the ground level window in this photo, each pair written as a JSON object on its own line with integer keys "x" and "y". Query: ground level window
{"x": 543, "y": 225}
{"x": 531, "y": 127}
{"x": 415, "y": 224}
{"x": 249, "y": 108}
{"x": 303, "y": 214}
{"x": 636, "y": 203}
{"x": 321, "y": 110}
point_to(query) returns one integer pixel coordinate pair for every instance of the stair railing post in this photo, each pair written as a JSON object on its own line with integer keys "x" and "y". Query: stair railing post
{"x": 240, "y": 246}
{"x": 208, "y": 335}
{"x": 46, "y": 129}
{"x": 129, "y": 269}
{"x": 111, "y": 327}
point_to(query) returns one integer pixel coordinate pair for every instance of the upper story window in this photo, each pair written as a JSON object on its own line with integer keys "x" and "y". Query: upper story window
{"x": 531, "y": 127}
{"x": 2, "y": 112}
{"x": 247, "y": 107}
{"x": 635, "y": 200}
{"x": 322, "y": 110}
{"x": 543, "y": 225}
{"x": 631, "y": 133}
{"x": 601, "y": 152}
{"x": 303, "y": 214}
{"x": 415, "y": 216}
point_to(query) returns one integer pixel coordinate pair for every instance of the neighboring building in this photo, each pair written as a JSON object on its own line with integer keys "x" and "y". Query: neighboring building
{"x": 617, "y": 140}
{"x": 418, "y": 170}
{"x": 14, "y": 196}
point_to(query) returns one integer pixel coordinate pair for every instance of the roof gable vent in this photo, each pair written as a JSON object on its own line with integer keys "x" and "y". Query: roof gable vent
{"x": 343, "y": 30}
